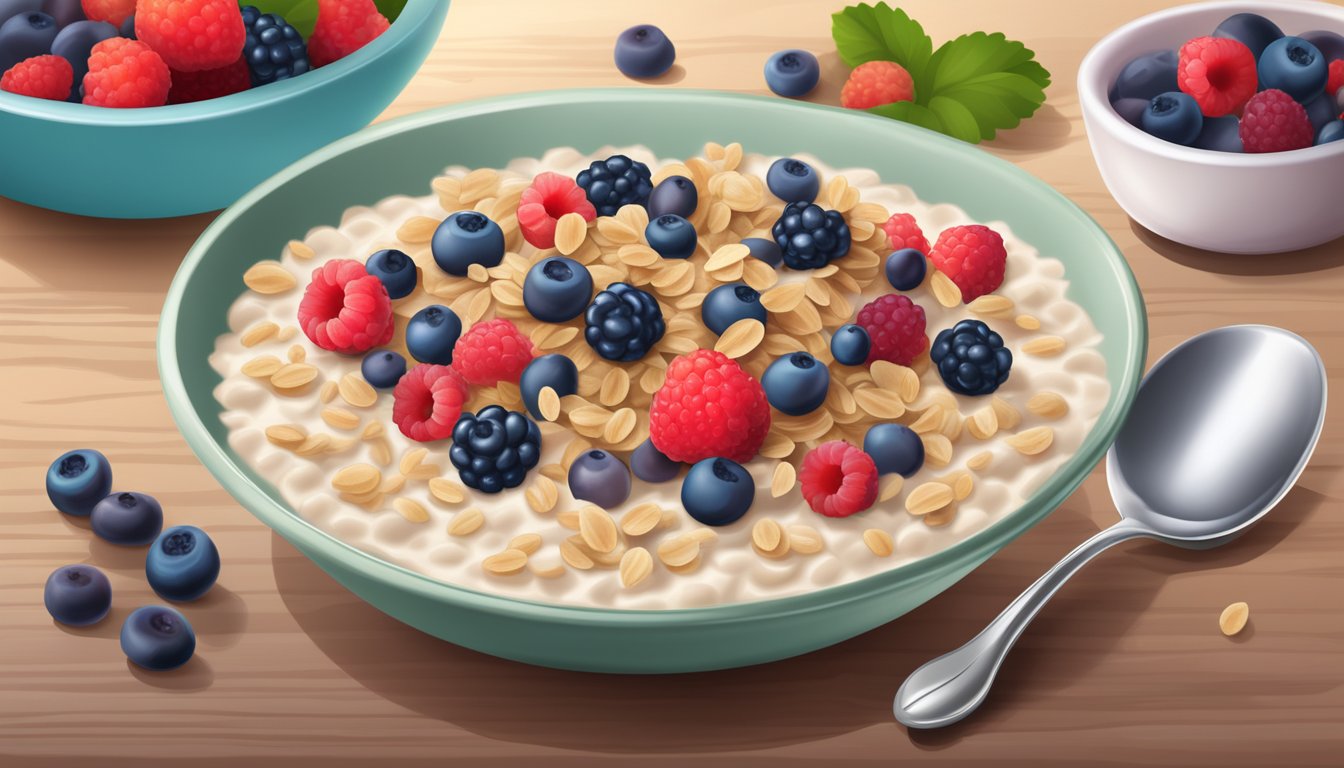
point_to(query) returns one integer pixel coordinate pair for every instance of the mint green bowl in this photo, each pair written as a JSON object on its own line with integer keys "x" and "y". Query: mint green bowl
{"x": 188, "y": 158}
{"x": 401, "y": 156}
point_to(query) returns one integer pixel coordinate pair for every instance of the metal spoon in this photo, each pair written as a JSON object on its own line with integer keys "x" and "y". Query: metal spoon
{"x": 1220, "y": 430}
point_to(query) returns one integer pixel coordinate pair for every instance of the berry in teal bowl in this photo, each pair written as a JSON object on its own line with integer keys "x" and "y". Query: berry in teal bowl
{"x": 402, "y": 156}
{"x": 181, "y": 159}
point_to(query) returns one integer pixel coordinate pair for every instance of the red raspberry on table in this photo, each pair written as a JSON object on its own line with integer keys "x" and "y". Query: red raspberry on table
{"x": 343, "y": 27}
{"x": 708, "y": 407}
{"x": 1336, "y": 80}
{"x": 903, "y": 232}
{"x": 1218, "y": 72}
{"x": 973, "y": 256}
{"x": 838, "y": 479}
{"x": 895, "y": 326}
{"x": 192, "y": 35}
{"x": 42, "y": 77}
{"x": 875, "y": 83}
{"x": 210, "y": 83}
{"x": 542, "y": 204}
{"x": 125, "y": 73}
{"x": 345, "y": 309}
{"x": 1274, "y": 122}
{"x": 112, "y": 11}
{"x": 427, "y": 401}
{"x": 491, "y": 352}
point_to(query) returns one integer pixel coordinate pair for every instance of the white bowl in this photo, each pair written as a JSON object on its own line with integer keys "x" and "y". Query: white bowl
{"x": 1219, "y": 201}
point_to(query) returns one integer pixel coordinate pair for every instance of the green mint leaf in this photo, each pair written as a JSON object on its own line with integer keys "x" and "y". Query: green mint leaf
{"x": 864, "y": 33}
{"x": 977, "y": 54}
{"x": 910, "y": 112}
{"x": 390, "y": 8}
{"x": 302, "y": 14}
{"x": 995, "y": 80}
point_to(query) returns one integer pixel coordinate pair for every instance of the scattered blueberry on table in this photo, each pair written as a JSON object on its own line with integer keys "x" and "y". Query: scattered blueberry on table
{"x": 78, "y": 480}
{"x": 183, "y": 564}
{"x": 792, "y": 73}
{"x": 158, "y": 638}
{"x": 77, "y": 595}
{"x": 128, "y": 518}
{"x": 643, "y": 51}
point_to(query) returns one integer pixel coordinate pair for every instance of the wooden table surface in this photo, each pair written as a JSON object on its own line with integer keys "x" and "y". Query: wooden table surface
{"x": 1126, "y": 666}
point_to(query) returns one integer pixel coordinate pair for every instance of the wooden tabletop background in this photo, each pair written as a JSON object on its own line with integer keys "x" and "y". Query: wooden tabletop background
{"x": 1126, "y": 666}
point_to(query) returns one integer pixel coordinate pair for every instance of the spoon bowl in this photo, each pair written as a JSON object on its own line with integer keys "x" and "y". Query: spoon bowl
{"x": 1221, "y": 428}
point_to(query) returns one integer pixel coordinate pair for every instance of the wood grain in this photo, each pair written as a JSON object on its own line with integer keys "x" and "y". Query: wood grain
{"x": 1125, "y": 667}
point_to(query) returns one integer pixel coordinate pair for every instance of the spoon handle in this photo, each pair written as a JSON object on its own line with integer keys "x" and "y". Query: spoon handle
{"x": 951, "y": 686}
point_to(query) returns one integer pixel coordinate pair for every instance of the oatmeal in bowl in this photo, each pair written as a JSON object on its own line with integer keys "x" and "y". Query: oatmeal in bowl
{"x": 622, "y": 381}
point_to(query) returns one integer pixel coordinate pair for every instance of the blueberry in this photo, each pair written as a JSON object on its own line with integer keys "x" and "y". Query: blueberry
{"x": 850, "y": 345}
{"x": 127, "y": 29}
{"x": 494, "y": 448}
{"x": 599, "y": 477}
{"x": 792, "y": 73}
{"x": 467, "y": 238}
{"x": 675, "y": 194}
{"x": 729, "y": 303}
{"x": 182, "y": 564}
{"x": 557, "y": 289}
{"x": 395, "y": 269}
{"x": 894, "y": 448}
{"x": 75, "y": 42}
{"x": 78, "y": 595}
{"x": 792, "y": 180}
{"x": 555, "y": 371}
{"x": 1146, "y": 77}
{"x": 650, "y": 465}
{"x": 431, "y": 334}
{"x": 1295, "y": 67}
{"x": 796, "y": 383}
{"x": 65, "y": 12}
{"x": 131, "y": 519}
{"x": 11, "y": 8}
{"x": 383, "y": 368}
{"x": 971, "y": 358}
{"x": 1251, "y": 29}
{"x": 764, "y": 249}
{"x": 1173, "y": 117}
{"x": 1220, "y": 134}
{"x": 1131, "y": 110}
{"x": 1330, "y": 44}
{"x": 623, "y": 323}
{"x": 78, "y": 480}
{"x": 906, "y": 268}
{"x": 717, "y": 491}
{"x": 1331, "y": 132}
{"x": 24, "y": 36}
{"x": 671, "y": 236}
{"x": 157, "y": 638}
{"x": 644, "y": 51}
{"x": 1320, "y": 111}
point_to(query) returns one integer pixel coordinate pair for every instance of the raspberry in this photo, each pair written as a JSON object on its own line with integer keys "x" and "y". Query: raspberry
{"x": 895, "y": 325}
{"x": 1218, "y": 72}
{"x": 903, "y": 232}
{"x": 125, "y": 73}
{"x": 973, "y": 256}
{"x": 491, "y": 352}
{"x": 191, "y": 35}
{"x": 874, "y": 83}
{"x": 112, "y": 11}
{"x": 42, "y": 77}
{"x": 345, "y": 309}
{"x": 209, "y": 83}
{"x": 708, "y": 407}
{"x": 427, "y": 401}
{"x": 1274, "y": 122}
{"x": 838, "y": 479}
{"x": 1336, "y": 80}
{"x": 542, "y": 204}
{"x": 343, "y": 27}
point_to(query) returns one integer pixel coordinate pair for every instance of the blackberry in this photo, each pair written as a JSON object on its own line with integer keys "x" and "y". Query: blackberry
{"x": 274, "y": 50}
{"x": 615, "y": 182}
{"x": 971, "y": 358}
{"x": 809, "y": 236}
{"x": 623, "y": 322}
{"x": 495, "y": 448}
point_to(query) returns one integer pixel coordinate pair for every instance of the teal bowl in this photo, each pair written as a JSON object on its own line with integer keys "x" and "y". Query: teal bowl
{"x": 188, "y": 158}
{"x": 401, "y": 156}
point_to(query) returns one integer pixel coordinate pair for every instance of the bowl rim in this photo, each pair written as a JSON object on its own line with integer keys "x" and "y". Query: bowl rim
{"x": 412, "y": 15}
{"x": 310, "y": 539}
{"x": 1093, "y": 84}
